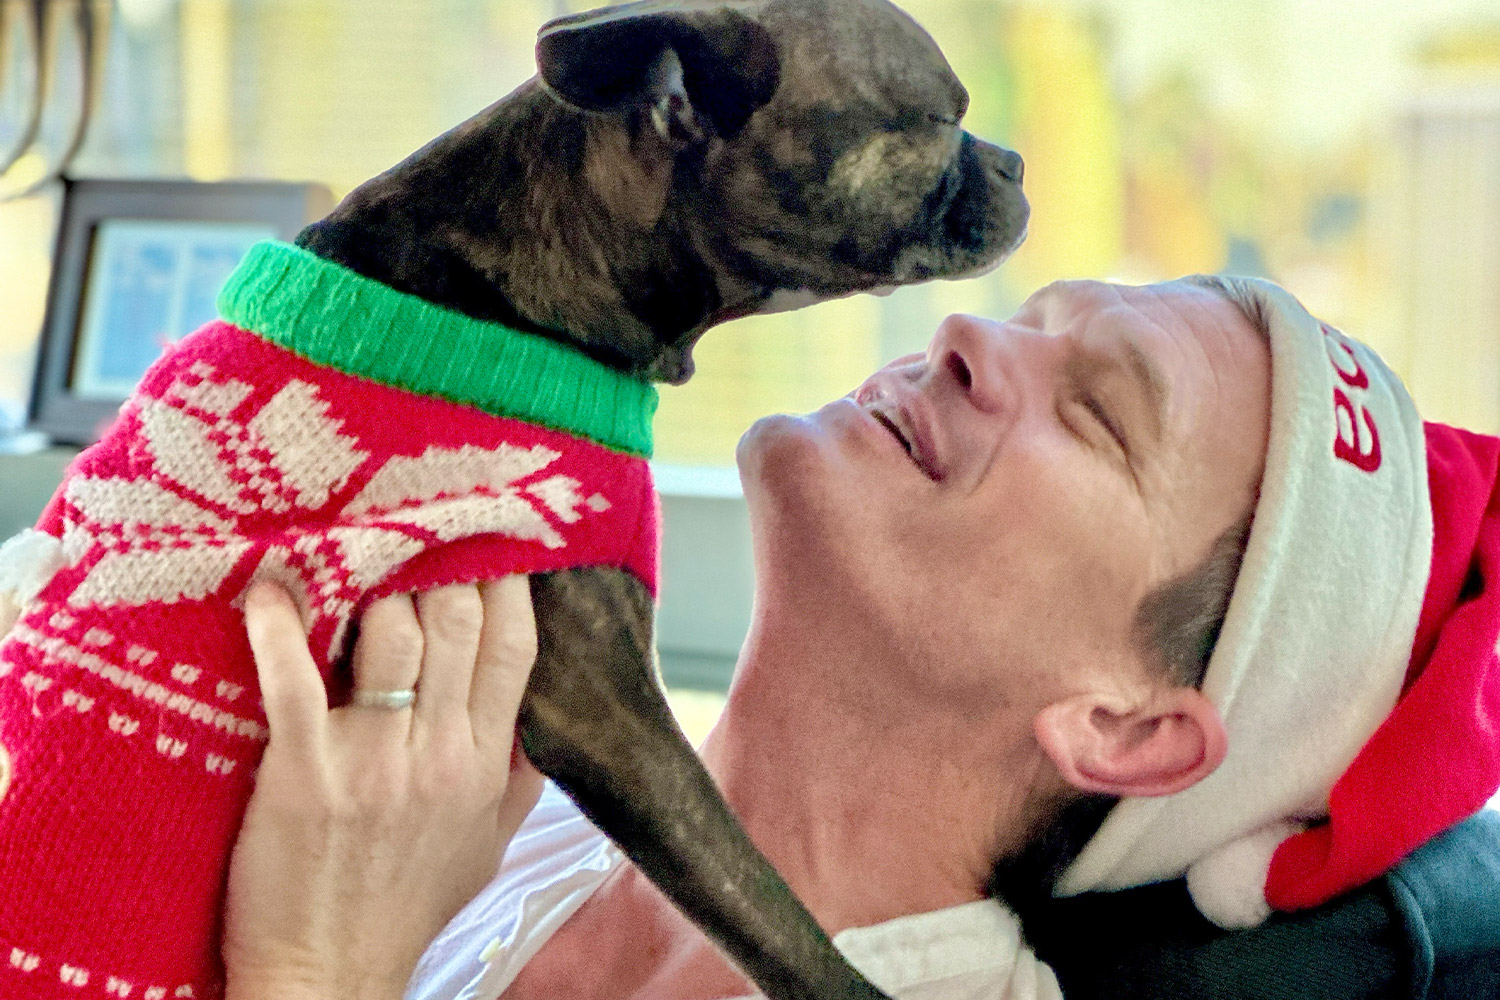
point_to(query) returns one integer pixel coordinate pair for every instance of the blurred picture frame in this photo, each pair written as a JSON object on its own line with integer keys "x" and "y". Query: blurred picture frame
{"x": 138, "y": 265}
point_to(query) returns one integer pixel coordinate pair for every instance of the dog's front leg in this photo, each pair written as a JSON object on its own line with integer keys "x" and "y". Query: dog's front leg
{"x": 595, "y": 721}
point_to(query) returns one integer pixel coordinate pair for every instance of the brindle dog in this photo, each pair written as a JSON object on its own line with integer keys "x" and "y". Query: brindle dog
{"x": 675, "y": 165}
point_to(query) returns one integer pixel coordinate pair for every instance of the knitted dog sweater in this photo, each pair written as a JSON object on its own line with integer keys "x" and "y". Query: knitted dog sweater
{"x": 343, "y": 438}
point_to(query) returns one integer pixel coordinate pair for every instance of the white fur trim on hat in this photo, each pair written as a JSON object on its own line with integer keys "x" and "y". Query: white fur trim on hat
{"x": 1228, "y": 885}
{"x": 1318, "y": 633}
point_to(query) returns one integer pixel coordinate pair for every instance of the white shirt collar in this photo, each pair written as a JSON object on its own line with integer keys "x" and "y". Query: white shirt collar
{"x": 973, "y": 951}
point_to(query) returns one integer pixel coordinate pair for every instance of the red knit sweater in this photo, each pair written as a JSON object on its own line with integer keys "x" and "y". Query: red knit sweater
{"x": 128, "y": 701}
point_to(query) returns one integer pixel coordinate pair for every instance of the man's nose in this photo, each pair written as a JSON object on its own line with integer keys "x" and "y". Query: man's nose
{"x": 969, "y": 353}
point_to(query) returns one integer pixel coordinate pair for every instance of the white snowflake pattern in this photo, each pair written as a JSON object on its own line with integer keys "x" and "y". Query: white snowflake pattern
{"x": 178, "y": 535}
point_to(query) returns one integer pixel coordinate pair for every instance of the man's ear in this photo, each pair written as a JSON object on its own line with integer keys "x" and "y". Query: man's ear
{"x": 696, "y": 72}
{"x": 1100, "y": 744}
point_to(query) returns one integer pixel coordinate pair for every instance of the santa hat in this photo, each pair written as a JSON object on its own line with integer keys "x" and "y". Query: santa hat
{"x": 1356, "y": 670}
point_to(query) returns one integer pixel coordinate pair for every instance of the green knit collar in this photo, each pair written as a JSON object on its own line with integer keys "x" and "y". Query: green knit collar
{"x": 335, "y": 317}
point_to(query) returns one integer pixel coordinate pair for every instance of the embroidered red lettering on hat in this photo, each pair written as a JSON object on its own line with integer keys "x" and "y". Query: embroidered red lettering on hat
{"x": 1351, "y": 448}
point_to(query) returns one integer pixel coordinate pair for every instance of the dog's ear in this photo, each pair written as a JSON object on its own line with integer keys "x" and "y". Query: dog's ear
{"x": 699, "y": 71}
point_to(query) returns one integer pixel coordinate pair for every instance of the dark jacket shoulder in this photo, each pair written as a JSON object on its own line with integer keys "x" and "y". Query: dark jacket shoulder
{"x": 1428, "y": 931}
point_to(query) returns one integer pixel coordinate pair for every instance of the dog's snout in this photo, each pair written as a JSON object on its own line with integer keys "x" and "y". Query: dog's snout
{"x": 1011, "y": 166}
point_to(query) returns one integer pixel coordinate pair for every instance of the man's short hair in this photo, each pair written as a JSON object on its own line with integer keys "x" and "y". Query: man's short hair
{"x": 1177, "y": 624}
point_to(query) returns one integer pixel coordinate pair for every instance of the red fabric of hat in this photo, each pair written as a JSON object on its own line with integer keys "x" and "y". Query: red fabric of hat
{"x": 1436, "y": 758}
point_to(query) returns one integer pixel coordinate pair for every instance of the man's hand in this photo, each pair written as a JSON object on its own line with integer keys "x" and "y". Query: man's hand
{"x": 370, "y": 827}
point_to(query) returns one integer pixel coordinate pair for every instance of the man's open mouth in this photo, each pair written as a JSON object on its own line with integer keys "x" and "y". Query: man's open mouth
{"x": 885, "y": 421}
{"x": 895, "y": 423}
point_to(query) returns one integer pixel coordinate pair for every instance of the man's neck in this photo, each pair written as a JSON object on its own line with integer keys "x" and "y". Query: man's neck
{"x": 869, "y": 814}
{"x": 873, "y": 812}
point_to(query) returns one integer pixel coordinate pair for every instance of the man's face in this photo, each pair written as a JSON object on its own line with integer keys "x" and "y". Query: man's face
{"x": 1006, "y": 499}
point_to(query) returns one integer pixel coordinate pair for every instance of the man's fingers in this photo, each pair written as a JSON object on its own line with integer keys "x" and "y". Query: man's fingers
{"x": 293, "y": 694}
{"x": 388, "y": 652}
{"x": 451, "y": 618}
{"x": 387, "y": 663}
{"x": 507, "y": 650}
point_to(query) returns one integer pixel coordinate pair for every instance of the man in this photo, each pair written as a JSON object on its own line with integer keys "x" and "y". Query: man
{"x": 919, "y": 599}
{"x": 959, "y": 633}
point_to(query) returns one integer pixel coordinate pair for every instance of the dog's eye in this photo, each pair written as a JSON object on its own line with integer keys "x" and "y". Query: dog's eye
{"x": 943, "y": 119}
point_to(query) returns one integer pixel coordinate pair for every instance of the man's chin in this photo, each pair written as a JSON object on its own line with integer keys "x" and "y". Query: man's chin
{"x": 771, "y": 441}
{"x": 759, "y": 455}
{"x": 793, "y": 463}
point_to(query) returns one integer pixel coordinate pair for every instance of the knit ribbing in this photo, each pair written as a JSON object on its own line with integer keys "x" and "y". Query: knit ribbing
{"x": 336, "y": 317}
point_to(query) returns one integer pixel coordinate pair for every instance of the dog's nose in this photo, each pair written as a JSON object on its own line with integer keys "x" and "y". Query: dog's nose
{"x": 1011, "y": 166}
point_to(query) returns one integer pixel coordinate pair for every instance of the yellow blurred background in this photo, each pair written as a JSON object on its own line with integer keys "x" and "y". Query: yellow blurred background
{"x": 1350, "y": 150}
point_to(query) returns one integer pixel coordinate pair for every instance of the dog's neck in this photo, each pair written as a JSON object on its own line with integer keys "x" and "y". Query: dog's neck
{"x": 547, "y": 221}
{"x": 349, "y": 323}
